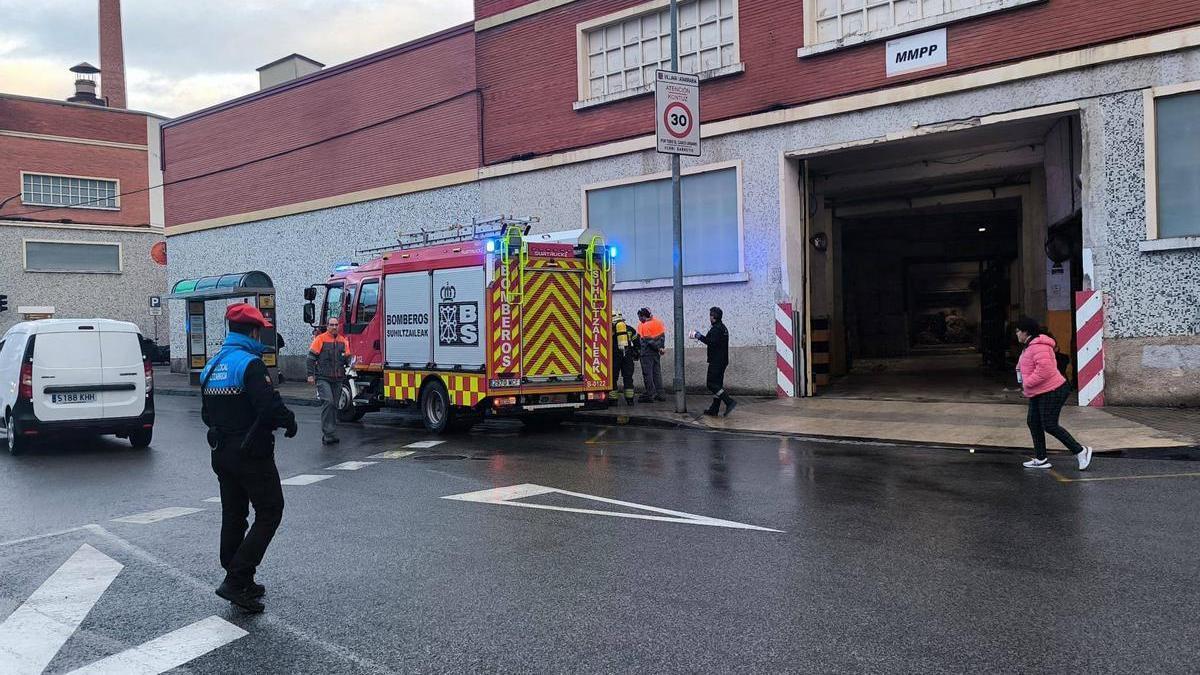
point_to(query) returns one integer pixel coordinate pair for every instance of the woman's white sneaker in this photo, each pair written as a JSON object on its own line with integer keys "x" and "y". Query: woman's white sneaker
{"x": 1085, "y": 458}
{"x": 1037, "y": 464}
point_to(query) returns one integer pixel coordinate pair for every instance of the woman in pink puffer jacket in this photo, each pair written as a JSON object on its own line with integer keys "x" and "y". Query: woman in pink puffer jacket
{"x": 1047, "y": 391}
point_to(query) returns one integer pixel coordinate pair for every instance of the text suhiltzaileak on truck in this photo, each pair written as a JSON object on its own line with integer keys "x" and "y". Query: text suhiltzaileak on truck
{"x": 475, "y": 321}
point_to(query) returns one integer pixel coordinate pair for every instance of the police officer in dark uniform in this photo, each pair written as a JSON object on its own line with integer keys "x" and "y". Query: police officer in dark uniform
{"x": 717, "y": 340}
{"x": 242, "y": 411}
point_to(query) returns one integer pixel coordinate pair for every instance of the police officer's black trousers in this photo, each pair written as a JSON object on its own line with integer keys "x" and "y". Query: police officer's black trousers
{"x": 246, "y": 480}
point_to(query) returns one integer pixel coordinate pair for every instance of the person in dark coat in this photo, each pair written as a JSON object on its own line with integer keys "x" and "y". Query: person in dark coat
{"x": 242, "y": 409}
{"x": 717, "y": 341}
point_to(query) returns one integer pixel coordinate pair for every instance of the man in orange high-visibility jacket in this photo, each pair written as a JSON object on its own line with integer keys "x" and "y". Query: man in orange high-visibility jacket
{"x": 328, "y": 357}
{"x": 653, "y": 336}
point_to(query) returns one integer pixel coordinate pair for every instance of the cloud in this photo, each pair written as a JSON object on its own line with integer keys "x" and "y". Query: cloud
{"x": 185, "y": 55}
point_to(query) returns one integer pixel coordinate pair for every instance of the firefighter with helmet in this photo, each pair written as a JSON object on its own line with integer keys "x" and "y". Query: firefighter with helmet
{"x": 625, "y": 356}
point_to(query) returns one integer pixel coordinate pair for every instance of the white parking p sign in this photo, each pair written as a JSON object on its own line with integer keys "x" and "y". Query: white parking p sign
{"x": 677, "y": 113}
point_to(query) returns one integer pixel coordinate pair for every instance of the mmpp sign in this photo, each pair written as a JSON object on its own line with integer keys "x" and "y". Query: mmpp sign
{"x": 916, "y": 52}
{"x": 677, "y": 113}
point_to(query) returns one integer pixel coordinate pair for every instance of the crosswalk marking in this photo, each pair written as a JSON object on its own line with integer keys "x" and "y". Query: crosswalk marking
{"x": 348, "y": 466}
{"x": 424, "y": 444}
{"x": 169, "y": 651}
{"x": 393, "y": 454}
{"x": 305, "y": 479}
{"x": 155, "y": 516}
{"x": 33, "y": 634}
{"x": 213, "y": 500}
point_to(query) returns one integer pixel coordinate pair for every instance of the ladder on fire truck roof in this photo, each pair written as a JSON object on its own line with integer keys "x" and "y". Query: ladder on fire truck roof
{"x": 478, "y": 229}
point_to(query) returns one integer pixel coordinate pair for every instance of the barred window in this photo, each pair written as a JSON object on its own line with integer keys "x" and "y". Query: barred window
{"x": 860, "y": 20}
{"x": 48, "y": 190}
{"x": 623, "y": 55}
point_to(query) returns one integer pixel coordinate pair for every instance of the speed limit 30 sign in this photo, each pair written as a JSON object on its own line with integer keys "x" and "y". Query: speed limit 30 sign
{"x": 677, "y": 113}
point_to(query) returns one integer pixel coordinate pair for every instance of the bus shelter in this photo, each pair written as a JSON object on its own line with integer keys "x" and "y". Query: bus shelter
{"x": 254, "y": 287}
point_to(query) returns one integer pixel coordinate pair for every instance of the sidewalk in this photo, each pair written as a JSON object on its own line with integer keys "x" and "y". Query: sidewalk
{"x": 975, "y": 425}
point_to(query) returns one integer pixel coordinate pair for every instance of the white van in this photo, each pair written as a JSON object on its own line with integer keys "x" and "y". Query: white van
{"x": 83, "y": 375}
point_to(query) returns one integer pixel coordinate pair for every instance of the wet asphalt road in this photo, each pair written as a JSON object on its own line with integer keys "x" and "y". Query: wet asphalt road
{"x": 887, "y": 559}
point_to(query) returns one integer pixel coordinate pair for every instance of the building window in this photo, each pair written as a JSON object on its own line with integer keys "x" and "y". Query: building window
{"x": 72, "y": 256}
{"x": 1174, "y": 151}
{"x": 833, "y": 23}
{"x": 623, "y": 51}
{"x": 69, "y": 191}
{"x": 636, "y": 218}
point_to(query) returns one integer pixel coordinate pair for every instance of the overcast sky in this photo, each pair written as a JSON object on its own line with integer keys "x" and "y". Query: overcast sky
{"x": 183, "y": 55}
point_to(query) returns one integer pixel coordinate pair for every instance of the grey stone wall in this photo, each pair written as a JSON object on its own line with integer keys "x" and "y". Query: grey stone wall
{"x": 121, "y": 296}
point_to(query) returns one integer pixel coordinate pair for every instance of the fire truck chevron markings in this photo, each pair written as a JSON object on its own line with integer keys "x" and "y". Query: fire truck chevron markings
{"x": 33, "y": 634}
{"x": 508, "y": 496}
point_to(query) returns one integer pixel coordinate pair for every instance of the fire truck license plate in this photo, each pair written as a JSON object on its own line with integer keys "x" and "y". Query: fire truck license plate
{"x": 504, "y": 383}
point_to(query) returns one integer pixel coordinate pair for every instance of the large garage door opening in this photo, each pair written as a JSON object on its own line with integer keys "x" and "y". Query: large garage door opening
{"x": 925, "y": 302}
{"x": 923, "y": 252}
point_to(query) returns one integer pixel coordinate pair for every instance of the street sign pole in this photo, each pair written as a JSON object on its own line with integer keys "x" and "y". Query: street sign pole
{"x": 680, "y": 381}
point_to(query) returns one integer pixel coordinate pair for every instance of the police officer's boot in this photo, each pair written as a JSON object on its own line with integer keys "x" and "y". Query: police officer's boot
{"x": 244, "y": 597}
{"x": 629, "y": 397}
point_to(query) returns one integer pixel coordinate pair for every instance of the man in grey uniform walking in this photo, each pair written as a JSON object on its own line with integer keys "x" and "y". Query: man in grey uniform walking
{"x": 328, "y": 357}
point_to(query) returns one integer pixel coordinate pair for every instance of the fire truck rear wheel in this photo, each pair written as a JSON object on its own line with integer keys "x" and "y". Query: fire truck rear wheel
{"x": 436, "y": 412}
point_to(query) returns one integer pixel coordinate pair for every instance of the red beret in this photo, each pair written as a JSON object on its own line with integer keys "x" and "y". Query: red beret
{"x": 243, "y": 313}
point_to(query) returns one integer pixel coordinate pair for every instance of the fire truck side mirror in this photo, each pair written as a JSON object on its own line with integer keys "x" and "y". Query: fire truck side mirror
{"x": 310, "y": 294}
{"x": 310, "y": 313}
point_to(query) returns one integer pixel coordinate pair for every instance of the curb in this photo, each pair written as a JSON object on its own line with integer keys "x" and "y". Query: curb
{"x": 290, "y": 400}
{"x": 1185, "y": 453}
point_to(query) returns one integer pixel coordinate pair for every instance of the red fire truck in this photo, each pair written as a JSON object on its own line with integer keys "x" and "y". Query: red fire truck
{"x": 477, "y": 320}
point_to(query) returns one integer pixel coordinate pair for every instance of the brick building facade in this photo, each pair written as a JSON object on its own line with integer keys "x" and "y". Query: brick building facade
{"x": 1037, "y": 134}
{"x": 82, "y": 210}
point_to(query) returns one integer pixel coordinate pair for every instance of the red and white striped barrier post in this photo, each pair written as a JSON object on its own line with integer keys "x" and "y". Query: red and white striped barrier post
{"x": 785, "y": 351}
{"x": 1089, "y": 336}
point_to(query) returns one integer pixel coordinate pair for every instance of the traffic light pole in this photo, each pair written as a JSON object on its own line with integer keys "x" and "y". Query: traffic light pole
{"x": 680, "y": 381}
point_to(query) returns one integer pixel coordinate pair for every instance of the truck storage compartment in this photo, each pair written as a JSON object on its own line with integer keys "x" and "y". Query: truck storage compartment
{"x": 552, "y": 324}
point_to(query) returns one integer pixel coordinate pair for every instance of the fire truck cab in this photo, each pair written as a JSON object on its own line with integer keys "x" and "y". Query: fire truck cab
{"x": 474, "y": 321}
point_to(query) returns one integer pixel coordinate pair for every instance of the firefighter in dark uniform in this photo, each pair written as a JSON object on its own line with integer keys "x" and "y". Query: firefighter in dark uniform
{"x": 717, "y": 340}
{"x": 625, "y": 356}
{"x": 242, "y": 411}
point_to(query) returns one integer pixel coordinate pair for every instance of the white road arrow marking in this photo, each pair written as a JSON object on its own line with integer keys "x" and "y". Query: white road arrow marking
{"x": 169, "y": 651}
{"x": 507, "y": 496}
{"x": 32, "y": 635}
